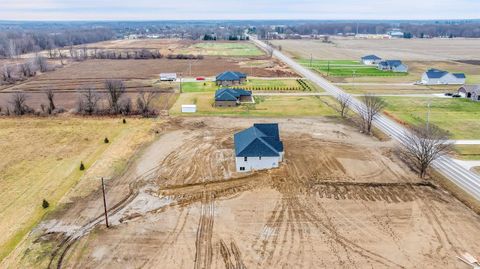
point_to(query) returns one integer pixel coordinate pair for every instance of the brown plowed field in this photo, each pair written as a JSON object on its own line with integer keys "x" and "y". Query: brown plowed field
{"x": 339, "y": 200}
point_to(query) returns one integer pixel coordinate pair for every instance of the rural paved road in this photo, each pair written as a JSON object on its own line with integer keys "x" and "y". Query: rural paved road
{"x": 465, "y": 179}
{"x": 465, "y": 142}
{"x": 327, "y": 93}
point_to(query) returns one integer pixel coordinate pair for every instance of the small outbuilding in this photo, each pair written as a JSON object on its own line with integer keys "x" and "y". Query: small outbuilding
{"x": 393, "y": 65}
{"x": 258, "y": 147}
{"x": 440, "y": 77}
{"x": 189, "y": 108}
{"x": 371, "y": 60}
{"x": 230, "y": 78}
{"x": 232, "y": 97}
{"x": 470, "y": 91}
{"x": 168, "y": 76}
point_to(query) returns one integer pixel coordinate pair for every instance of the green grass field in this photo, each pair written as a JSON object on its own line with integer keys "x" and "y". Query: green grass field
{"x": 251, "y": 84}
{"x": 346, "y": 68}
{"x": 460, "y": 117}
{"x": 41, "y": 157}
{"x": 270, "y": 106}
{"x": 468, "y": 152}
{"x": 241, "y": 48}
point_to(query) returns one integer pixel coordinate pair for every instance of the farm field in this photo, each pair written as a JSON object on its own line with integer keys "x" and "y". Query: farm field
{"x": 182, "y": 46}
{"x": 235, "y": 49}
{"x": 346, "y": 68}
{"x": 402, "y": 49}
{"x": 379, "y": 88}
{"x": 340, "y": 199}
{"x": 458, "y": 116}
{"x": 253, "y": 84}
{"x": 41, "y": 158}
{"x": 266, "y": 106}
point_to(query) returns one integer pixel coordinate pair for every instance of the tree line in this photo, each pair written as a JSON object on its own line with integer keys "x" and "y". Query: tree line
{"x": 16, "y": 42}
{"x": 90, "y": 101}
{"x": 419, "y": 30}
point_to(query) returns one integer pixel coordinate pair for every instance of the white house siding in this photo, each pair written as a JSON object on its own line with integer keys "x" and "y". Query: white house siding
{"x": 257, "y": 163}
{"x": 447, "y": 79}
{"x": 370, "y": 62}
{"x": 400, "y": 69}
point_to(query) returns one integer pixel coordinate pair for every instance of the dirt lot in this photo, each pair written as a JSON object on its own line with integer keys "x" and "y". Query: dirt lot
{"x": 403, "y": 49}
{"x": 340, "y": 200}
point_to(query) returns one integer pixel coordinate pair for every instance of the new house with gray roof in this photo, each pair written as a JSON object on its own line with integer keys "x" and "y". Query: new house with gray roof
{"x": 393, "y": 65}
{"x": 258, "y": 147}
{"x": 228, "y": 97}
{"x": 230, "y": 78}
{"x": 371, "y": 60}
{"x": 439, "y": 77}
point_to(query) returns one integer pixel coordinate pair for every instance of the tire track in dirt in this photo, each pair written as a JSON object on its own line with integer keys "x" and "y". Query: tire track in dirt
{"x": 203, "y": 243}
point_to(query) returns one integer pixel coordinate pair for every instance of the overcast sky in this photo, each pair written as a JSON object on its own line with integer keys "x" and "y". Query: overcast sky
{"x": 243, "y": 9}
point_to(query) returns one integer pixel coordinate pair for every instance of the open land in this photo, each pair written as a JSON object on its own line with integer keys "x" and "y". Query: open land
{"x": 458, "y": 116}
{"x": 41, "y": 159}
{"x": 181, "y": 46}
{"x": 139, "y": 75}
{"x": 340, "y": 199}
{"x": 402, "y": 49}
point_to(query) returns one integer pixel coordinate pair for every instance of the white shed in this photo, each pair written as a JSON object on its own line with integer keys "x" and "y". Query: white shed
{"x": 168, "y": 76}
{"x": 189, "y": 108}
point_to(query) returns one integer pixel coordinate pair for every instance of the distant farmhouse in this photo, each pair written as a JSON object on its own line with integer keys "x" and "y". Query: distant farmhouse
{"x": 393, "y": 65}
{"x": 470, "y": 91}
{"x": 232, "y": 97}
{"x": 230, "y": 78}
{"x": 258, "y": 147}
{"x": 371, "y": 60}
{"x": 440, "y": 77}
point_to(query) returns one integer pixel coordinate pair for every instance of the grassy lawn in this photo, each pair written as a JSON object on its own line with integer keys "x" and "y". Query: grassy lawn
{"x": 243, "y": 48}
{"x": 468, "y": 152}
{"x": 251, "y": 84}
{"x": 460, "y": 117}
{"x": 275, "y": 106}
{"x": 346, "y": 68}
{"x": 41, "y": 157}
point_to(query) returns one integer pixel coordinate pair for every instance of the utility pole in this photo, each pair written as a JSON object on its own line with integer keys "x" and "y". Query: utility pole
{"x": 105, "y": 203}
{"x": 328, "y": 68}
{"x": 311, "y": 60}
{"x": 180, "y": 82}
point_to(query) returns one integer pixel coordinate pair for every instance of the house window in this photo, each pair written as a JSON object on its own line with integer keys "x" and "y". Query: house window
{"x": 245, "y": 159}
{"x": 242, "y": 168}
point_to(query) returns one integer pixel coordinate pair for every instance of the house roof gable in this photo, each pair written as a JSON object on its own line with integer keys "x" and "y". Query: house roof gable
{"x": 230, "y": 76}
{"x": 253, "y": 142}
{"x": 371, "y": 57}
{"x": 227, "y": 94}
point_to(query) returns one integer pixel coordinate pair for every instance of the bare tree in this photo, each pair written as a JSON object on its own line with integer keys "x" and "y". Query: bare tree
{"x": 144, "y": 100}
{"x": 343, "y": 101}
{"x": 115, "y": 89}
{"x": 372, "y": 106}
{"x": 424, "y": 144}
{"x": 88, "y": 100}
{"x": 41, "y": 63}
{"x": 51, "y": 104}
{"x": 7, "y": 74}
{"x": 27, "y": 69}
{"x": 18, "y": 101}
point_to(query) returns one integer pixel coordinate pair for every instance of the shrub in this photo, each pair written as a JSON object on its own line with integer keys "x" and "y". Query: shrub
{"x": 82, "y": 167}
{"x": 45, "y": 204}
{"x": 106, "y": 141}
{"x": 124, "y": 121}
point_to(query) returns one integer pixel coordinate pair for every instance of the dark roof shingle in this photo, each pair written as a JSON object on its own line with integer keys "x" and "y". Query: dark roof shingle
{"x": 261, "y": 140}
